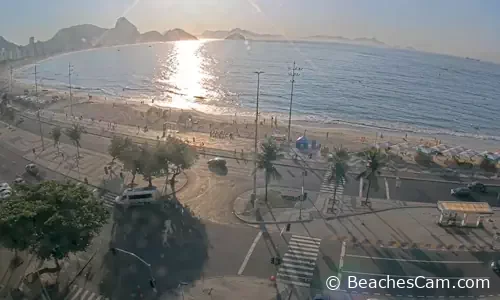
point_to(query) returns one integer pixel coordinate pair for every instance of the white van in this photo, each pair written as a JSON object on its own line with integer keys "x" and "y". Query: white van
{"x": 138, "y": 196}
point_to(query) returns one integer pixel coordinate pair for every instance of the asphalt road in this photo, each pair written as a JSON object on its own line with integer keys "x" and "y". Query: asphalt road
{"x": 372, "y": 263}
{"x": 12, "y": 165}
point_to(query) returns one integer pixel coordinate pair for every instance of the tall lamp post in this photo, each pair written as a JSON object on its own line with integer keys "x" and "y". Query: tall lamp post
{"x": 254, "y": 193}
{"x": 152, "y": 280}
{"x": 293, "y": 73}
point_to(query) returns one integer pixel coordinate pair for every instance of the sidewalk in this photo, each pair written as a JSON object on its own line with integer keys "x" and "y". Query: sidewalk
{"x": 90, "y": 165}
{"x": 230, "y": 287}
{"x": 101, "y": 128}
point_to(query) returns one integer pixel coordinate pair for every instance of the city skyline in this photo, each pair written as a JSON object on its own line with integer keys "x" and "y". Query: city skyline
{"x": 459, "y": 27}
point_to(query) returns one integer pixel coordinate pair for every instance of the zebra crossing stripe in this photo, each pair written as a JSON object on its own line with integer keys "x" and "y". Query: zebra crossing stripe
{"x": 76, "y": 294}
{"x": 299, "y": 261}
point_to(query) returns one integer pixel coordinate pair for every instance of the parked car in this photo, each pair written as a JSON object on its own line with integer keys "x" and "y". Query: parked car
{"x": 495, "y": 266}
{"x": 19, "y": 180}
{"x": 31, "y": 169}
{"x": 5, "y": 191}
{"x": 217, "y": 162}
{"x": 460, "y": 192}
{"x": 477, "y": 187}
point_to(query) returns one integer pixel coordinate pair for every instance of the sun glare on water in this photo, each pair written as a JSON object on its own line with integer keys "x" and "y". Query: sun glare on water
{"x": 187, "y": 74}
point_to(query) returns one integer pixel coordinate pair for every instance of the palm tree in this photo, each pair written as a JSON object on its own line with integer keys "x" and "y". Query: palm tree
{"x": 265, "y": 161}
{"x": 339, "y": 168}
{"x": 56, "y": 136}
{"x": 74, "y": 133}
{"x": 376, "y": 159}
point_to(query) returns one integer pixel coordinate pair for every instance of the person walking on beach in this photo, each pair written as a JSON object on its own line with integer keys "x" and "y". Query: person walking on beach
{"x": 272, "y": 118}
{"x": 275, "y": 122}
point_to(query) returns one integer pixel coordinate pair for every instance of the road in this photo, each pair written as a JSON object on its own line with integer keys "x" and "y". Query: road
{"x": 415, "y": 190}
{"x": 12, "y": 165}
{"x": 373, "y": 263}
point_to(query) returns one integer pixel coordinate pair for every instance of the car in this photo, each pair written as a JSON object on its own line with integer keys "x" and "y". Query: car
{"x": 477, "y": 186}
{"x": 495, "y": 266}
{"x": 31, "y": 169}
{"x": 5, "y": 194}
{"x": 138, "y": 196}
{"x": 217, "y": 162}
{"x": 19, "y": 180}
{"x": 460, "y": 192}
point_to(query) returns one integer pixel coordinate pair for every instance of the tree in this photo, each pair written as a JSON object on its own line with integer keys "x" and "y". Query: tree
{"x": 56, "y": 136}
{"x": 74, "y": 133}
{"x": 117, "y": 146}
{"x": 376, "y": 159}
{"x": 148, "y": 164}
{"x": 51, "y": 219}
{"x": 130, "y": 158}
{"x": 181, "y": 157}
{"x": 265, "y": 161}
{"x": 339, "y": 168}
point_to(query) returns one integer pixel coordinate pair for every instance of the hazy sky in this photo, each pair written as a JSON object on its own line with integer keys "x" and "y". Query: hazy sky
{"x": 460, "y": 27}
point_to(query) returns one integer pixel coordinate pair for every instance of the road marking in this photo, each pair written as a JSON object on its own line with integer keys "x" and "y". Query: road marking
{"x": 387, "y": 195}
{"x": 341, "y": 260}
{"x": 250, "y": 251}
{"x": 417, "y": 260}
{"x": 361, "y": 187}
{"x": 407, "y": 276}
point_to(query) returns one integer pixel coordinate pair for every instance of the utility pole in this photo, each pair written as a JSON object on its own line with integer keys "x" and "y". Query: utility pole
{"x": 70, "y": 92}
{"x": 152, "y": 280}
{"x": 10, "y": 83}
{"x": 254, "y": 194}
{"x": 38, "y": 112}
{"x": 293, "y": 73}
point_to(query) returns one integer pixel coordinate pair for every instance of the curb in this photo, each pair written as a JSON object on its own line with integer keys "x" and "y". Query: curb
{"x": 377, "y": 211}
{"x": 269, "y": 222}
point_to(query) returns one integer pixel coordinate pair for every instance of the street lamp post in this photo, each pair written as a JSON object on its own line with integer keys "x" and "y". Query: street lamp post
{"x": 254, "y": 193}
{"x": 152, "y": 279}
{"x": 293, "y": 73}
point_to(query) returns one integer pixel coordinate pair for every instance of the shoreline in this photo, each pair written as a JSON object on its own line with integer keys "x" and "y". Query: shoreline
{"x": 348, "y": 134}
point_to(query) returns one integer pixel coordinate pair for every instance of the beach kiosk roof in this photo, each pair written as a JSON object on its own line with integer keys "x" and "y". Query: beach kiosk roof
{"x": 482, "y": 208}
{"x": 302, "y": 139}
{"x": 463, "y": 214}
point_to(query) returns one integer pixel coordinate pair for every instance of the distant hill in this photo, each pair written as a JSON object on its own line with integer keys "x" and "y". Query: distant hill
{"x": 86, "y": 36}
{"x": 235, "y": 36}
{"x": 341, "y": 39}
{"x": 151, "y": 36}
{"x": 222, "y": 34}
{"x": 178, "y": 35}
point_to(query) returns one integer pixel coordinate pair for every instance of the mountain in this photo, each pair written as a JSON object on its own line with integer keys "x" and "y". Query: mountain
{"x": 151, "y": 36}
{"x": 341, "y": 39}
{"x": 178, "y": 35}
{"x": 124, "y": 32}
{"x": 72, "y": 38}
{"x": 235, "y": 36}
{"x": 222, "y": 34}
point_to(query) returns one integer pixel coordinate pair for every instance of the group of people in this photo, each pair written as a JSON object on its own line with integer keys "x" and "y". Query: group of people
{"x": 221, "y": 134}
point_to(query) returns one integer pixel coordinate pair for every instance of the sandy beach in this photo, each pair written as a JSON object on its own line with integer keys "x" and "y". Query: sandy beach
{"x": 135, "y": 113}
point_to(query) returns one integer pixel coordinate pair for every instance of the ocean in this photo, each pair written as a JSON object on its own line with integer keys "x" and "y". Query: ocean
{"x": 384, "y": 88}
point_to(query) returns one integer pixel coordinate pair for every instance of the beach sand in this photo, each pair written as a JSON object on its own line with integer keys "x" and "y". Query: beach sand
{"x": 134, "y": 113}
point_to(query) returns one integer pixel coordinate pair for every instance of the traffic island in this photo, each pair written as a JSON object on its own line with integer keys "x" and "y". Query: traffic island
{"x": 283, "y": 206}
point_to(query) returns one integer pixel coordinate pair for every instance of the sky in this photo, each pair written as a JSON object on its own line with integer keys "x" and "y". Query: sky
{"x": 457, "y": 27}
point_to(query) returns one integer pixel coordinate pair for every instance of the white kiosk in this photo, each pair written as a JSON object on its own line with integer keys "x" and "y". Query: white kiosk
{"x": 463, "y": 214}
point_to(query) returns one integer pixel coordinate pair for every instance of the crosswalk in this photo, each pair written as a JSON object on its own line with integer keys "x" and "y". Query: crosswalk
{"x": 78, "y": 293}
{"x": 109, "y": 199}
{"x": 298, "y": 264}
{"x": 329, "y": 187}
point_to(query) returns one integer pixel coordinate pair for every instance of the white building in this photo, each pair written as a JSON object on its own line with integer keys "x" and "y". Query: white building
{"x": 3, "y": 54}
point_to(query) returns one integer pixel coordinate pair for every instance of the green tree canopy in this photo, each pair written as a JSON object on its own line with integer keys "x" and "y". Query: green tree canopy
{"x": 51, "y": 219}
{"x": 117, "y": 146}
{"x": 265, "y": 162}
